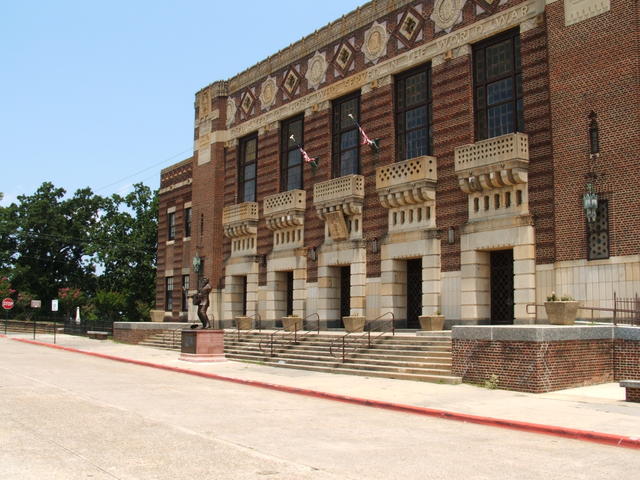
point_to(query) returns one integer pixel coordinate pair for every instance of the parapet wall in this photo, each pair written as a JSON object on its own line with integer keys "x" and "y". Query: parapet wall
{"x": 543, "y": 358}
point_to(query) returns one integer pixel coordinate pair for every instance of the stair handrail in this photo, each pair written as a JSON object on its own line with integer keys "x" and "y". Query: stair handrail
{"x": 258, "y": 319}
{"x": 296, "y": 337}
{"x": 355, "y": 340}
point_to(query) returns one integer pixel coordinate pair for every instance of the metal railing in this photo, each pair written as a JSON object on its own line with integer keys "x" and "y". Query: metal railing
{"x": 351, "y": 341}
{"x": 625, "y": 311}
{"x": 294, "y": 336}
{"x": 32, "y": 326}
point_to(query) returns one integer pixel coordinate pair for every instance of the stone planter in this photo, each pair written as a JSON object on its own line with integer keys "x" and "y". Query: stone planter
{"x": 292, "y": 323}
{"x": 244, "y": 323}
{"x": 431, "y": 322}
{"x": 562, "y": 313}
{"x": 157, "y": 315}
{"x": 354, "y": 324}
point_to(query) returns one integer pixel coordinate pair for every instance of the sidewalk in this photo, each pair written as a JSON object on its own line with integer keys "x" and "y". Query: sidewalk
{"x": 598, "y": 408}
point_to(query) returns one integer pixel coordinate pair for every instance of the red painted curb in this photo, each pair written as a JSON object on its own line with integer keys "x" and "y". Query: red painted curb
{"x": 575, "y": 434}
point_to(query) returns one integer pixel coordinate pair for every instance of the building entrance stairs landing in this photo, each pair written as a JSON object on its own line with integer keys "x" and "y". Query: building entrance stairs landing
{"x": 402, "y": 356}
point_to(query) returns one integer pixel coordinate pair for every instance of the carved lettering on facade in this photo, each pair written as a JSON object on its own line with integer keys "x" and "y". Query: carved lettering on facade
{"x": 576, "y": 11}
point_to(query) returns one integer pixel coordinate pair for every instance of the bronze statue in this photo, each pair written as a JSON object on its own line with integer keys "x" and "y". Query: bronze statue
{"x": 201, "y": 299}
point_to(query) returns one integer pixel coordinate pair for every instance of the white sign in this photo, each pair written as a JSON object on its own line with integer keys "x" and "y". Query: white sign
{"x": 54, "y": 305}
{"x": 36, "y": 303}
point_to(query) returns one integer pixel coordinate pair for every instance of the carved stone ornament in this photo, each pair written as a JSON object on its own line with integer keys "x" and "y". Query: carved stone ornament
{"x": 231, "y": 111}
{"x": 337, "y": 225}
{"x": 375, "y": 42}
{"x": 204, "y": 104}
{"x": 447, "y": 12}
{"x": 268, "y": 93}
{"x": 316, "y": 70}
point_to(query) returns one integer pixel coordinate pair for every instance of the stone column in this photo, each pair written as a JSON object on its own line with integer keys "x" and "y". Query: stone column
{"x": 475, "y": 286}
{"x": 392, "y": 287}
{"x": 328, "y": 294}
{"x": 358, "y": 283}
{"x": 524, "y": 282}
{"x": 431, "y": 278}
{"x": 299, "y": 291}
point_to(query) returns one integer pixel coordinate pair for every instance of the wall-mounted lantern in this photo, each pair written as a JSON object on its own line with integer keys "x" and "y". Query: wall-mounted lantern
{"x": 312, "y": 254}
{"x": 451, "y": 235}
{"x": 590, "y": 203}
{"x": 375, "y": 245}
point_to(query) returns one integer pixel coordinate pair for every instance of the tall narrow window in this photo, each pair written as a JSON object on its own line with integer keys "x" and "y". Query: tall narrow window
{"x": 346, "y": 144}
{"x": 171, "y": 226}
{"x": 168, "y": 294}
{"x": 185, "y": 291}
{"x": 413, "y": 113}
{"x": 247, "y": 168}
{"x": 497, "y": 76}
{"x": 598, "y": 232}
{"x": 187, "y": 222}
{"x": 291, "y": 160}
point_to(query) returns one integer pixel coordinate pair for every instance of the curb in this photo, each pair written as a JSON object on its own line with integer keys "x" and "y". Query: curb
{"x": 564, "y": 432}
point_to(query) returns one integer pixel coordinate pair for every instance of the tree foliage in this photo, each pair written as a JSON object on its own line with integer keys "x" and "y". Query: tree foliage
{"x": 50, "y": 243}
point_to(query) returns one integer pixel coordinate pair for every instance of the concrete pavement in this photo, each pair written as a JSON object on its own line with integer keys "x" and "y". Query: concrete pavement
{"x": 599, "y": 408}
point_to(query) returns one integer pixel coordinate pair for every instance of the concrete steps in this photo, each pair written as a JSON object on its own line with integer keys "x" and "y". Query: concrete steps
{"x": 422, "y": 358}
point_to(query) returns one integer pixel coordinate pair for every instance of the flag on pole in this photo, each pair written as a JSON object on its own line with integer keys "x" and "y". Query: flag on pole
{"x": 305, "y": 156}
{"x": 364, "y": 138}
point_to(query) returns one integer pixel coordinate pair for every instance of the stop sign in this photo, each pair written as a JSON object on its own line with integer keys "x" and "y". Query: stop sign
{"x": 7, "y": 304}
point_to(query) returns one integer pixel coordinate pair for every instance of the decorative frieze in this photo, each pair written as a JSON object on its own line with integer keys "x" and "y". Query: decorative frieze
{"x": 464, "y": 36}
{"x": 375, "y": 42}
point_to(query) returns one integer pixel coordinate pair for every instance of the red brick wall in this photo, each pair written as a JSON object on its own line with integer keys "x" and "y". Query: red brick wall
{"x": 633, "y": 395}
{"x": 176, "y": 256}
{"x": 595, "y": 66}
{"x": 627, "y": 360}
{"x": 534, "y": 367}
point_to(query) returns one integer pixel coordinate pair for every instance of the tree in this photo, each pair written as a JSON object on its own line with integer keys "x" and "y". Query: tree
{"x": 50, "y": 240}
{"x": 124, "y": 242}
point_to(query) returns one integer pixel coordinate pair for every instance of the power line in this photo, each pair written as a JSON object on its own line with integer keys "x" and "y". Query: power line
{"x": 190, "y": 149}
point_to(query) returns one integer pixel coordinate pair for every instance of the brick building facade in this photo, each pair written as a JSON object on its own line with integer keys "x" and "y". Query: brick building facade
{"x": 493, "y": 119}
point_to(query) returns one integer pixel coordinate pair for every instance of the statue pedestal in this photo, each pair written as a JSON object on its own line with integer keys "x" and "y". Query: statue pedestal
{"x": 202, "y": 346}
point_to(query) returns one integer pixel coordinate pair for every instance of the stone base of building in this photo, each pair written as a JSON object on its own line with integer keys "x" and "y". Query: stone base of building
{"x": 202, "y": 346}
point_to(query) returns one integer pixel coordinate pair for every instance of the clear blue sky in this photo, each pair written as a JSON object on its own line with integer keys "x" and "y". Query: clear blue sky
{"x": 100, "y": 94}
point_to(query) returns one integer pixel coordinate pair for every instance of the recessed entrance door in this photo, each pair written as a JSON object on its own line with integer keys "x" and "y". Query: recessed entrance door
{"x": 243, "y": 287}
{"x": 345, "y": 293}
{"x": 289, "y": 308}
{"x": 502, "y": 287}
{"x": 414, "y": 292}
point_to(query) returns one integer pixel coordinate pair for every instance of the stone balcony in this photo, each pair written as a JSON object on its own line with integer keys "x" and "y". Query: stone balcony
{"x": 240, "y": 220}
{"x": 342, "y": 193}
{"x": 410, "y": 182}
{"x": 339, "y": 203}
{"x": 493, "y": 163}
{"x": 285, "y": 209}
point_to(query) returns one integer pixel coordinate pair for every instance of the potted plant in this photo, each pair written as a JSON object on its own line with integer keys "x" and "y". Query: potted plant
{"x": 354, "y": 324}
{"x": 292, "y": 323}
{"x": 432, "y": 322}
{"x": 561, "y": 310}
{"x": 243, "y": 323}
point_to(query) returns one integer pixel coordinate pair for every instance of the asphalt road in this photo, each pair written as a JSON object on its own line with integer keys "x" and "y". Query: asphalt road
{"x": 68, "y": 416}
